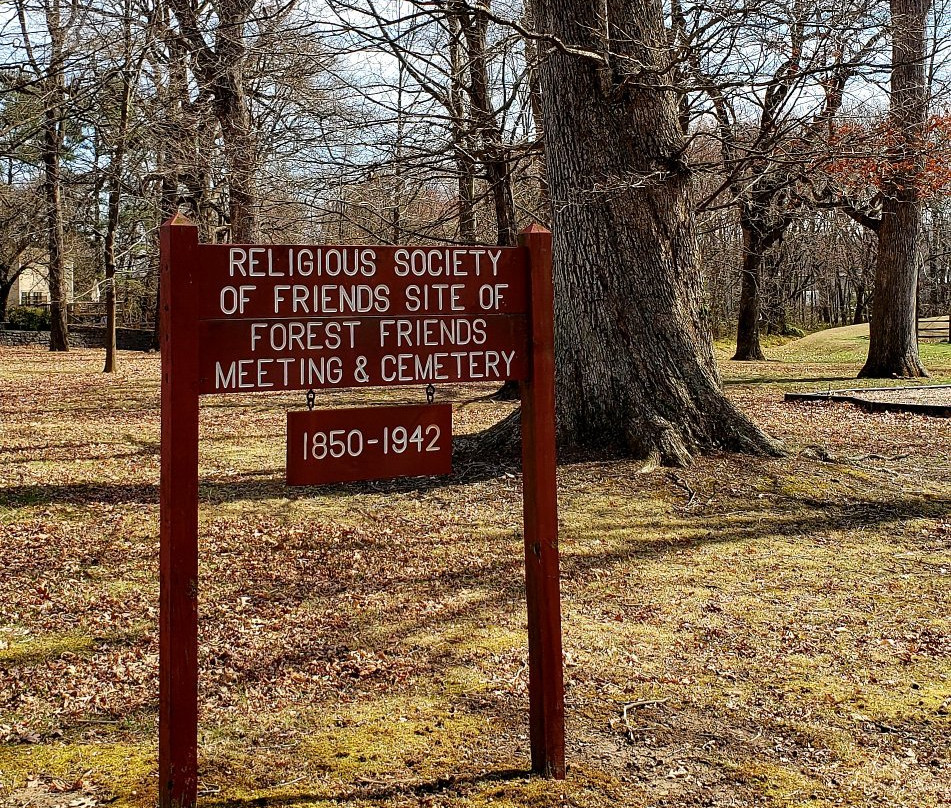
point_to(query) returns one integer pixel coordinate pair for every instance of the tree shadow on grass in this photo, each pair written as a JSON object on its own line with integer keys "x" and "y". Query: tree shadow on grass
{"x": 498, "y": 581}
{"x": 755, "y": 380}
{"x": 76, "y": 456}
{"x": 20, "y": 496}
{"x": 262, "y": 484}
{"x": 374, "y": 792}
{"x": 627, "y": 539}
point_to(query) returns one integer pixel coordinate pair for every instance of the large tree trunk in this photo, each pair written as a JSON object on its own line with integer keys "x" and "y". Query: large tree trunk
{"x": 893, "y": 339}
{"x": 747, "y": 322}
{"x": 634, "y": 356}
{"x": 893, "y": 343}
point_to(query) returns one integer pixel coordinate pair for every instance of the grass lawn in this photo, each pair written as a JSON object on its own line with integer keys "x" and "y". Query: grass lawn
{"x": 744, "y": 632}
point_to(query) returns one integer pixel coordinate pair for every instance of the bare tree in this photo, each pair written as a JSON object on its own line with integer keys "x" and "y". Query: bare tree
{"x": 634, "y": 357}
{"x": 771, "y": 76}
{"x": 466, "y": 75}
{"x": 221, "y": 69}
{"x": 893, "y": 344}
{"x": 119, "y": 89}
{"x": 19, "y": 208}
{"x": 47, "y": 58}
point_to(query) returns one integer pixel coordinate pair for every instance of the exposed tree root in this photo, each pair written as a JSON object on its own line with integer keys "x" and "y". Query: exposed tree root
{"x": 507, "y": 392}
{"x": 906, "y": 367}
{"x": 650, "y": 438}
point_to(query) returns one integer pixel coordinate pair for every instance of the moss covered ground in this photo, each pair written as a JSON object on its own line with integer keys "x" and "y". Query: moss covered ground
{"x": 744, "y": 632}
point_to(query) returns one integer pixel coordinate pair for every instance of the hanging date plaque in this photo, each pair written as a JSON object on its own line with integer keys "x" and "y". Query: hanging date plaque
{"x": 368, "y": 443}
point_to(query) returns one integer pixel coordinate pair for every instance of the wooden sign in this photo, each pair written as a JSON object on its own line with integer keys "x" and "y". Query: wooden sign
{"x": 246, "y": 356}
{"x": 307, "y": 317}
{"x": 368, "y": 443}
{"x": 291, "y": 282}
{"x": 257, "y": 318}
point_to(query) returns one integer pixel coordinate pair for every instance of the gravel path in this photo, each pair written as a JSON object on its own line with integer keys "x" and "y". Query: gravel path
{"x": 932, "y": 399}
{"x": 934, "y": 395}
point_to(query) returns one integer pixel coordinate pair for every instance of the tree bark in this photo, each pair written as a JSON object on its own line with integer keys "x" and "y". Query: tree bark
{"x": 52, "y": 155}
{"x": 893, "y": 343}
{"x": 748, "y": 346}
{"x": 240, "y": 152}
{"x": 635, "y": 362}
{"x": 460, "y": 132}
{"x": 222, "y": 70}
{"x": 497, "y": 167}
{"x": 237, "y": 132}
{"x": 543, "y": 210}
{"x": 115, "y": 195}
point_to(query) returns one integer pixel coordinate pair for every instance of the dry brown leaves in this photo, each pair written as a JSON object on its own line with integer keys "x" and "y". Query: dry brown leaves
{"x": 744, "y": 632}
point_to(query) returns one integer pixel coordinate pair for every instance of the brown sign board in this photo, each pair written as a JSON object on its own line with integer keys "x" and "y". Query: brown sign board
{"x": 244, "y": 356}
{"x": 294, "y": 282}
{"x": 296, "y": 317}
{"x": 244, "y": 318}
{"x": 368, "y": 443}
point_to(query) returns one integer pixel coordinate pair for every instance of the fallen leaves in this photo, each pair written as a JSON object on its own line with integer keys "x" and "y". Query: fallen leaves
{"x": 368, "y": 642}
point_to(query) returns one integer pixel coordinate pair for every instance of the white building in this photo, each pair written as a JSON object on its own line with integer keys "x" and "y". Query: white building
{"x": 32, "y": 287}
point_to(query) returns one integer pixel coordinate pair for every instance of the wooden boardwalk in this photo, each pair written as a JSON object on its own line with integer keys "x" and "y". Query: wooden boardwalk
{"x": 923, "y": 399}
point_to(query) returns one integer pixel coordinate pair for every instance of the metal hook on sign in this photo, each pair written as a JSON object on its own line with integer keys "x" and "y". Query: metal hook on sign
{"x": 311, "y": 397}
{"x": 430, "y": 393}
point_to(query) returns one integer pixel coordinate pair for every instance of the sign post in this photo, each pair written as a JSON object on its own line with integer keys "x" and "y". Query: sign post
{"x": 262, "y": 318}
{"x": 178, "y": 516}
{"x": 540, "y": 508}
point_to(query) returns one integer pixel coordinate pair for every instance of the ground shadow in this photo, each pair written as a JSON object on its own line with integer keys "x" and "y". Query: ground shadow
{"x": 261, "y": 484}
{"x": 374, "y": 791}
{"x": 501, "y": 581}
{"x": 753, "y": 380}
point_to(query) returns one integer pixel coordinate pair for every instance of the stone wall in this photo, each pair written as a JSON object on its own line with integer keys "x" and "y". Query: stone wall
{"x": 83, "y": 336}
{"x": 24, "y": 337}
{"x": 127, "y": 339}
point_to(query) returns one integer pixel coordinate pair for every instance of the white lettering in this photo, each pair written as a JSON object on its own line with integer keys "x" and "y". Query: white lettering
{"x": 237, "y": 263}
{"x": 234, "y": 298}
{"x": 223, "y": 381}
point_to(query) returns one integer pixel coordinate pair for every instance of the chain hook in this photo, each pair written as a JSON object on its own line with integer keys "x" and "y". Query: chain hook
{"x": 430, "y": 393}
{"x": 311, "y": 397}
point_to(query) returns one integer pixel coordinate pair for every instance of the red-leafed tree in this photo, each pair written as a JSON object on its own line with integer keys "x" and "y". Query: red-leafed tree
{"x": 893, "y": 343}
{"x": 882, "y": 178}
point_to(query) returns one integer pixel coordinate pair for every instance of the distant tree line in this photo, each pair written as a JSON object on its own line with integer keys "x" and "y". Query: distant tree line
{"x": 803, "y": 149}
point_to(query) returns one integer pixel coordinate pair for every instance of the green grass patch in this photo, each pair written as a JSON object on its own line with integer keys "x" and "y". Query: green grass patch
{"x": 35, "y": 650}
